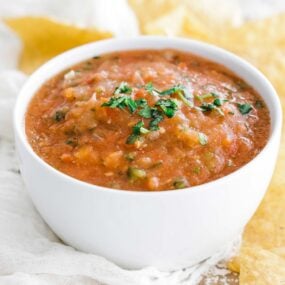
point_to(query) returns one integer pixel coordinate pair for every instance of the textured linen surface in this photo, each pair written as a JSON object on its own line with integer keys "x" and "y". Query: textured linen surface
{"x": 30, "y": 253}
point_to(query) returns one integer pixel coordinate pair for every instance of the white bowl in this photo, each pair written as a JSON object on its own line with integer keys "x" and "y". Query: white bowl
{"x": 168, "y": 229}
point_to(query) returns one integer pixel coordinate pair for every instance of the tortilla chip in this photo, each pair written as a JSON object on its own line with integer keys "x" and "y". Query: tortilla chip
{"x": 258, "y": 34}
{"x": 148, "y": 11}
{"x": 262, "y": 257}
{"x": 44, "y": 38}
{"x": 261, "y": 267}
{"x": 234, "y": 264}
{"x": 184, "y": 23}
{"x": 217, "y": 13}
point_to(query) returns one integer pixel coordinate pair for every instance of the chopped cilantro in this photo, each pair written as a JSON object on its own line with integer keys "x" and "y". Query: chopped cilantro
{"x": 132, "y": 139}
{"x": 115, "y": 102}
{"x": 131, "y": 104}
{"x": 157, "y": 117}
{"x": 145, "y": 112}
{"x": 138, "y": 129}
{"x": 168, "y": 106}
{"x": 219, "y": 102}
{"x": 121, "y": 102}
{"x": 150, "y": 89}
{"x": 141, "y": 102}
{"x": 244, "y": 108}
{"x": 165, "y": 107}
{"x": 182, "y": 92}
{"x": 170, "y": 91}
{"x": 206, "y": 107}
{"x": 123, "y": 88}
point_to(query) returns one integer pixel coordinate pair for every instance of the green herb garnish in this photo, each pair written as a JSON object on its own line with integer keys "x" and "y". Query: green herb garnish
{"x": 123, "y": 88}
{"x": 151, "y": 90}
{"x": 182, "y": 92}
{"x": 141, "y": 102}
{"x": 244, "y": 108}
{"x": 145, "y": 112}
{"x": 121, "y": 102}
{"x": 168, "y": 106}
{"x": 219, "y": 102}
{"x": 206, "y": 107}
{"x": 157, "y": 117}
{"x": 138, "y": 130}
{"x": 165, "y": 107}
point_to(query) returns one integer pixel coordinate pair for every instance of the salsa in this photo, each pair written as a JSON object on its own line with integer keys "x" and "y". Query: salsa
{"x": 147, "y": 120}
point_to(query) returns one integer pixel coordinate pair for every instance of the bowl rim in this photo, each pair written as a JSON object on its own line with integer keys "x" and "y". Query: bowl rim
{"x": 19, "y": 126}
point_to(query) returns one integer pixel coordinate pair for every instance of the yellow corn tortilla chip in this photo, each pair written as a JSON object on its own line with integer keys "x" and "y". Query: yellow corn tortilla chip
{"x": 183, "y": 23}
{"x": 263, "y": 44}
{"x": 258, "y": 34}
{"x": 216, "y": 13}
{"x": 150, "y": 10}
{"x": 234, "y": 264}
{"x": 262, "y": 254}
{"x": 44, "y": 38}
{"x": 261, "y": 267}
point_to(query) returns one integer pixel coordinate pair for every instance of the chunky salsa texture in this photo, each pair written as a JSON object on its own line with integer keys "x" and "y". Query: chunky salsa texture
{"x": 147, "y": 120}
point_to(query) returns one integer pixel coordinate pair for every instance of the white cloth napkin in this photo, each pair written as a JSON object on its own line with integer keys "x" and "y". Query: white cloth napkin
{"x": 30, "y": 253}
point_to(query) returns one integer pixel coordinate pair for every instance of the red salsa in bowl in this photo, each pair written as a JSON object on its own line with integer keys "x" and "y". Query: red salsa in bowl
{"x": 147, "y": 120}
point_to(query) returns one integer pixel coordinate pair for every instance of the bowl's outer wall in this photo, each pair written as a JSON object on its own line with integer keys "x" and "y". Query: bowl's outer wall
{"x": 166, "y": 231}
{"x": 169, "y": 229}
